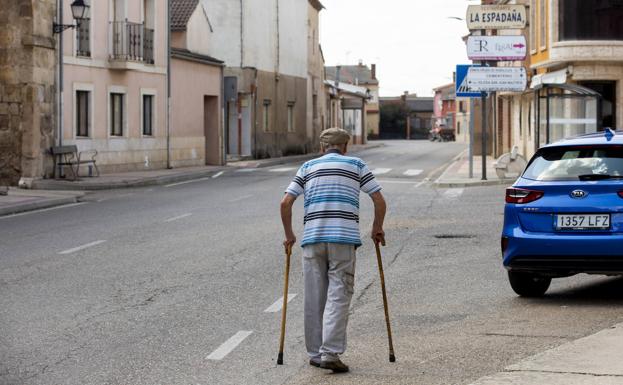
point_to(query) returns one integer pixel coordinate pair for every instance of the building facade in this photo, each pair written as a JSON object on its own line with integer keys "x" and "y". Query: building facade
{"x": 27, "y": 89}
{"x": 444, "y": 109}
{"x": 361, "y": 75}
{"x": 264, "y": 47}
{"x": 576, "y": 65}
{"x": 196, "y": 87}
{"x": 317, "y": 116}
{"x": 115, "y": 95}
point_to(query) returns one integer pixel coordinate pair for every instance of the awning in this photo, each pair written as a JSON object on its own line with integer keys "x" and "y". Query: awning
{"x": 555, "y": 77}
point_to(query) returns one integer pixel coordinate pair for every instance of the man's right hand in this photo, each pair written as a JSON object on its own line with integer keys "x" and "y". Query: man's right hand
{"x": 289, "y": 242}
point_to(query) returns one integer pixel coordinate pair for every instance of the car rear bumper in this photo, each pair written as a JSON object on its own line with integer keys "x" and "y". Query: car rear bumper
{"x": 564, "y": 254}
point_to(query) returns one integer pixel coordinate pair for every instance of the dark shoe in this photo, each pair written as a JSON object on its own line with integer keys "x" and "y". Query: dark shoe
{"x": 336, "y": 366}
{"x": 314, "y": 363}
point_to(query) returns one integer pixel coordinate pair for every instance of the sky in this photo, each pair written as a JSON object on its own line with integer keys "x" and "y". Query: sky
{"x": 414, "y": 43}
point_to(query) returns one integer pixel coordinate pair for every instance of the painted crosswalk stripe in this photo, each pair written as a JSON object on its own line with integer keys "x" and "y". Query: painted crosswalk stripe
{"x": 453, "y": 193}
{"x": 413, "y": 172}
{"x": 178, "y": 217}
{"x": 379, "y": 171}
{"x": 275, "y": 307}
{"x": 229, "y": 345}
{"x": 282, "y": 169}
{"x": 73, "y": 250}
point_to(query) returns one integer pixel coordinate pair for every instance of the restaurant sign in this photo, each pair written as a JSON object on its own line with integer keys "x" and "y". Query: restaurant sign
{"x": 496, "y": 16}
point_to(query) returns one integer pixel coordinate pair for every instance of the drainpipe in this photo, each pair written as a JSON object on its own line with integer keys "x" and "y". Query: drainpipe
{"x": 60, "y": 82}
{"x": 168, "y": 112}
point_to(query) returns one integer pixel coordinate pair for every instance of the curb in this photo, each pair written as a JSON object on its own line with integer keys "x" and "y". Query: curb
{"x": 44, "y": 204}
{"x": 46, "y": 184}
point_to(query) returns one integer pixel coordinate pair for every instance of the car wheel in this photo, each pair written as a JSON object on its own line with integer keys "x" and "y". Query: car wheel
{"x": 528, "y": 285}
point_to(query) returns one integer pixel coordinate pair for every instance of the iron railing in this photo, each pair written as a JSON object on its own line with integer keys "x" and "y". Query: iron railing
{"x": 132, "y": 42}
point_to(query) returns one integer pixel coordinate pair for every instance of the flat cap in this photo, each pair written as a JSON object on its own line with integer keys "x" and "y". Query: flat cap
{"x": 334, "y": 136}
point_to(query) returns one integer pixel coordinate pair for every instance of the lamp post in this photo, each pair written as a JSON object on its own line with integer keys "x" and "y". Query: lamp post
{"x": 80, "y": 11}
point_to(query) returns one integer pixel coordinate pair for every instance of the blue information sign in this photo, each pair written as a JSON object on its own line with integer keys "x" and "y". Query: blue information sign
{"x": 462, "y": 87}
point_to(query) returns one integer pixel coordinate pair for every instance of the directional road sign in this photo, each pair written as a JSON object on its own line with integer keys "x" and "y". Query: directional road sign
{"x": 496, "y": 48}
{"x": 496, "y": 16}
{"x": 462, "y": 89}
{"x": 488, "y": 79}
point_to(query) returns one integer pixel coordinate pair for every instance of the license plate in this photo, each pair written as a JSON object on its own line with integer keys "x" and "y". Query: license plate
{"x": 582, "y": 221}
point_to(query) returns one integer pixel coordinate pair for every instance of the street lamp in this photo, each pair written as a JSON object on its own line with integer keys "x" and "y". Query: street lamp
{"x": 79, "y": 11}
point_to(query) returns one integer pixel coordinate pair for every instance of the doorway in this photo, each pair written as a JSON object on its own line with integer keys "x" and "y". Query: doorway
{"x": 608, "y": 91}
{"x": 211, "y": 130}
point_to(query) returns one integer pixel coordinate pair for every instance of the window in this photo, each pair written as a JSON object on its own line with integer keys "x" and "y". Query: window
{"x": 266, "y": 115}
{"x": 533, "y": 25}
{"x": 291, "y": 117}
{"x": 83, "y": 38}
{"x": 458, "y": 128}
{"x": 117, "y": 101}
{"x": 83, "y": 102}
{"x": 581, "y": 163}
{"x": 591, "y": 20}
{"x": 148, "y": 115}
{"x": 543, "y": 24}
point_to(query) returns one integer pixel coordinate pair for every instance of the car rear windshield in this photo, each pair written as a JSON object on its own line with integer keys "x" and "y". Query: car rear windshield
{"x": 573, "y": 163}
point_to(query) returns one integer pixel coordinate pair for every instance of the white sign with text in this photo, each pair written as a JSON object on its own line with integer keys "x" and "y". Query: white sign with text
{"x": 496, "y": 16}
{"x": 496, "y": 48}
{"x": 489, "y": 79}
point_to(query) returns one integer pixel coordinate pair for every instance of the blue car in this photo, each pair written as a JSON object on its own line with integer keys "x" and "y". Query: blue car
{"x": 564, "y": 215}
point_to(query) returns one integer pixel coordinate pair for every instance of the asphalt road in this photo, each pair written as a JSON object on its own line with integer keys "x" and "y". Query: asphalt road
{"x": 175, "y": 285}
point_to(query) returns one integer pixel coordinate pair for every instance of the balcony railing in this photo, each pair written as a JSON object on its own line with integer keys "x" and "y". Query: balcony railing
{"x": 132, "y": 42}
{"x": 83, "y": 38}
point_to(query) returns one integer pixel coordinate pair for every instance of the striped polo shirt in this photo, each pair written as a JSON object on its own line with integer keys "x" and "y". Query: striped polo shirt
{"x": 331, "y": 186}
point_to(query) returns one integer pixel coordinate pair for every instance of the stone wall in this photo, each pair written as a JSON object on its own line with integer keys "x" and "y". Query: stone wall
{"x": 27, "y": 89}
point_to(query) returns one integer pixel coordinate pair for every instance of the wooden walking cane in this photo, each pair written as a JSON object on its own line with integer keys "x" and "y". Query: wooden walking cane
{"x": 284, "y": 310}
{"x": 392, "y": 357}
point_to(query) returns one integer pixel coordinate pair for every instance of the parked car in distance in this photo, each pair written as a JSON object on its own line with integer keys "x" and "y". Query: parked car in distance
{"x": 564, "y": 215}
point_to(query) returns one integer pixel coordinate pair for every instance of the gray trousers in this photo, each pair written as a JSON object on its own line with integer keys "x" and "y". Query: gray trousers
{"x": 329, "y": 270}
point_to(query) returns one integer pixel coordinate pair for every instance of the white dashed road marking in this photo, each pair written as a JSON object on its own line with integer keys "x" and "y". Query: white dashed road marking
{"x": 188, "y": 181}
{"x": 69, "y": 251}
{"x": 379, "y": 171}
{"x": 274, "y": 308}
{"x": 229, "y": 345}
{"x": 217, "y": 174}
{"x": 178, "y": 217}
{"x": 246, "y": 170}
{"x": 413, "y": 172}
{"x": 282, "y": 169}
{"x": 240, "y": 198}
{"x": 453, "y": 193}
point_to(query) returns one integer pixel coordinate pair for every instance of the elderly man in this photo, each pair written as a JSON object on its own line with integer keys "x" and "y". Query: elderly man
{"x": 331, "y": 185}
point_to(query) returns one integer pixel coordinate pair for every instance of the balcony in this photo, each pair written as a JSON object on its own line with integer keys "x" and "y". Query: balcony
{"x": 131, "y": 42}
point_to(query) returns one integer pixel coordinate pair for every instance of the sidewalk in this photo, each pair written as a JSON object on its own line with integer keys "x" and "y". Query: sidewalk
{"x": 593, "y": 360}
{"x": 457, "y": 174}
{"x": 160, "y": 177}
{"x": 19, "y": 200}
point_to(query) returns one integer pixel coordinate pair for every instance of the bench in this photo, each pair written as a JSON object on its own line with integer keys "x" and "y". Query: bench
{"x": 69, "y": 156}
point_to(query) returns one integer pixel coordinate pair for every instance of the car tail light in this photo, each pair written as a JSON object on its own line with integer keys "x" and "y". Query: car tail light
{"x": 522, "y": 196}
{"x": 621, "y": 194}
{"x": 504, "y": 244}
